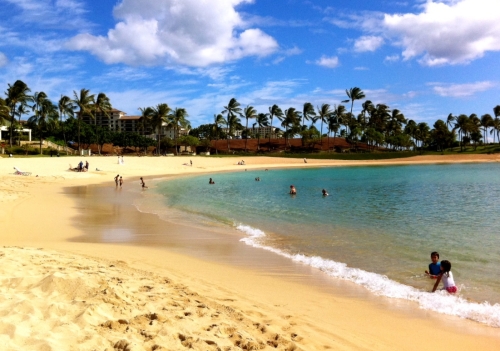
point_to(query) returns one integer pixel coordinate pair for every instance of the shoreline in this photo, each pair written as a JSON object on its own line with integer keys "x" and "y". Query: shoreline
{"x": 344, "y": 322}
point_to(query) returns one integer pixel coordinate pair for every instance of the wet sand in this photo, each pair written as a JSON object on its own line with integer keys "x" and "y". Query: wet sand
{"x": 252, "y": 299}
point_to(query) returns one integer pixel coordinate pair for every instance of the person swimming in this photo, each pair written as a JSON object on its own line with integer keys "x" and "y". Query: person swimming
{"x": 324, "y": 192}
{"x": 210, "y": 181}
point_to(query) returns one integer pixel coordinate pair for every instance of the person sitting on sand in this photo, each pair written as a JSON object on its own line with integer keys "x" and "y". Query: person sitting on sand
{"x": 293, "y": 191}
{"x": 143, "y": 184}
{"x": 324, "y": 192}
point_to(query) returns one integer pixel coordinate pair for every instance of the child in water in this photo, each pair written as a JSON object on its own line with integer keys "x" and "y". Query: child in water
{"x": 293, "y": 191}
{"x": 447, "y": 277}
{"x": 435, "y": 266}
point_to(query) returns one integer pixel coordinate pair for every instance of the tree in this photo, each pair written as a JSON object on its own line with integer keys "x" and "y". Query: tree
{"x": 66, "y": 108}
{"x": 232, "y": 110}
{"x": 144, "y": 121}
{"x": 449, "y": 120}
{"x": 85, "y": 102}
{"x": 307, "y": 112}
{"x": 290, "y": 120}
{"x": 218, "y": 121}
{"x": 4, "y": 111}
{"x": 102, "y": 106}
{"x": 463, "y": 126}
{"x": 16, "y": 94}
{"x": 495, "y": 128}
{"x": 248, "y": 112}
{"x": 178, "y": 120}
{"x": 158, "y": 117}
{"x": 422, "y": 134}
{"x": 45, "y": 116}
{"x": 262, "y": 120}
{"x": 486, "y": 122}
{"x": 323, "y": 113}
{"x": 274, "y": 111}
{"x": 354, "y": 94}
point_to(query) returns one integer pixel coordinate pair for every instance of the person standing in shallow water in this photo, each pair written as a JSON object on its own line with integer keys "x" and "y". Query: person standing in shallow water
{"x": 121, "y": 181}
{"x": 143, "y": 184}
{"x": 116, "y": 179}
{"x": 293, "y": 191}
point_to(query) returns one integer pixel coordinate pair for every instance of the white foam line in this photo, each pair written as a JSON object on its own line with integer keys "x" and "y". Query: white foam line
{"x": 440, "y": 301}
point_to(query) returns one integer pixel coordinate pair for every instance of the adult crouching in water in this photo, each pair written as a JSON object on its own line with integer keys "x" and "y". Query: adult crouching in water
{"x": 293, "y": 191}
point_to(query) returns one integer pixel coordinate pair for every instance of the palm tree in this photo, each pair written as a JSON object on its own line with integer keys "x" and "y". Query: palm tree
{"x": 85, "y": 103}
{"x": 411, "y": 130}
{"x": 323, "y": 113}
{"x": 307, "y": 112}
{"x": 289, "y": 121}
{"x": 66, "y": 107}
{"x": 218, "y": 121}
{"x": 45, "y": 116}
{"x": 338, "y": 115}
{"x": 262, "y": 120}
{"x": 463, "y": 126}
{"x": 495, "y": 128}
{"x": 21, "y": 110}
{"x": 248, "y": 112}
{"x": 4, "y": 111}
{"x": 16, "y": 94}
{"x": 422, "y": 134}
{"x": 146, "y": 113}
{"x": 177, "y": 120}
{"x": 232, "y": 110}
{"x": 102, "y": 106}
{"x": 354, "y": 94}
{"x": 496, "y": 111}
{"x": 158, "y": 117}
{"x": 274, "y": 111}
{"x": 486, "y": 122}
{"x": 368, "y": 107}
{"x": 449, "y": 120}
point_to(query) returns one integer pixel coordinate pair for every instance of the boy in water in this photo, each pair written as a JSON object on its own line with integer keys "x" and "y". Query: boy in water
{"x": 435, "y": 266}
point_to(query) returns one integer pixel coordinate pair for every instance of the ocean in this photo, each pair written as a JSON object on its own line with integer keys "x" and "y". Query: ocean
{"x": 376, "y": 228}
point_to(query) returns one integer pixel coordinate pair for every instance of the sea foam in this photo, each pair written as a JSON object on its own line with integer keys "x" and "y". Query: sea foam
{"x": 381, "y": 285}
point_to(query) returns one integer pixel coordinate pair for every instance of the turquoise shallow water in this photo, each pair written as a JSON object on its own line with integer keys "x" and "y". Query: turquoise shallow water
{"x": 377, "y": 227}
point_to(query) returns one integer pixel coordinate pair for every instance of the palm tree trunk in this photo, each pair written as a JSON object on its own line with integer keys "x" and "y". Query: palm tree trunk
{"x": 270, "y": 133}
{"x": 246, "y": 139}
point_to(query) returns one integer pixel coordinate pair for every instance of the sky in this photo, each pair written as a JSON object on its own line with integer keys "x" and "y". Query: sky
{"x": 427, "y": 58}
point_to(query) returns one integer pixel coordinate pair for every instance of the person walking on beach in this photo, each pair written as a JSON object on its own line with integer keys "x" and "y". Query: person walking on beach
{"x": 191, "y": 162}
{"x": 116, "y": 179}
{"x": 447, "y": 277}
{"x": 121, "y": 182}
{"x": 143, "y": 184}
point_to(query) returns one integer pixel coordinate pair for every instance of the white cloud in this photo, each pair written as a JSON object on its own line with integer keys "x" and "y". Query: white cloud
{"x": 368, "y": 43}
{"x": 195, "y": 33}
{"x": 446, "y": 32}
{"x": 461, "y": 90}
{"x": 392, "y": 58}
{"x": 3, "y": 59}
{"x": 329, "y": 62}
{"x": 63, "y": 14}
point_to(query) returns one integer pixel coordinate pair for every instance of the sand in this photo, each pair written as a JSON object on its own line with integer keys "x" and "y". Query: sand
{"x": 62, "y": 294}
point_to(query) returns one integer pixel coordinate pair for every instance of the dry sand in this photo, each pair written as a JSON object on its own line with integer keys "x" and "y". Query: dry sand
{"x": 59, "y": 294}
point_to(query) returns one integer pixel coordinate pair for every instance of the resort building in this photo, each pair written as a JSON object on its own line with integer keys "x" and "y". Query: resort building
{"x": 5, "y": 130}
{"x": 118, "y": 121}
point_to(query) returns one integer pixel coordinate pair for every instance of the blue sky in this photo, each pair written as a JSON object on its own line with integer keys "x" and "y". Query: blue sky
{"x": 425, "y": 58}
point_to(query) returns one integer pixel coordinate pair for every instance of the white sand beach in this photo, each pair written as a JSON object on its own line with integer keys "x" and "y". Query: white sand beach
{"x": 60, "y": 294}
